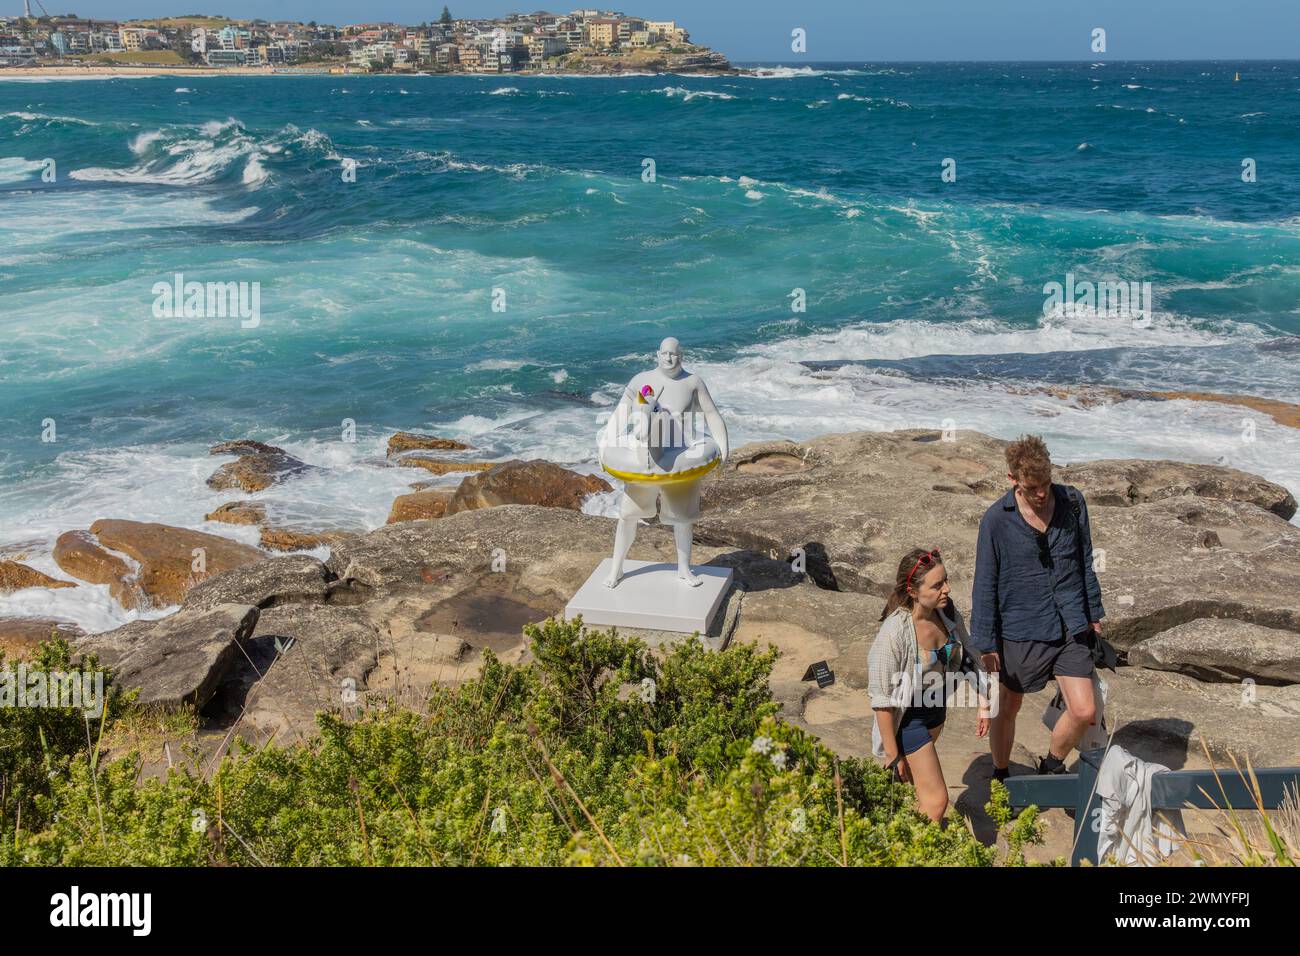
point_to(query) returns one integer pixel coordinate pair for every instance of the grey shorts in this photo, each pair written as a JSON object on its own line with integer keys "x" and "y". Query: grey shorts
{"x": 1027, "y": 666}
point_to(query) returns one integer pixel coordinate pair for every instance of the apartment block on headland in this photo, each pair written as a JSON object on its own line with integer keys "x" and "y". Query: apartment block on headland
{"x": 587, "y": 39}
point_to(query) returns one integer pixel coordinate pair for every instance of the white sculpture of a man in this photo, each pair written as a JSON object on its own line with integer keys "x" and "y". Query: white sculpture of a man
{"x": 665, "y": 399}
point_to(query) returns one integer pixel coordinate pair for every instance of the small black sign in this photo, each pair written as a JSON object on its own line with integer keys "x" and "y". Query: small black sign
{"x": 821, "y": 672}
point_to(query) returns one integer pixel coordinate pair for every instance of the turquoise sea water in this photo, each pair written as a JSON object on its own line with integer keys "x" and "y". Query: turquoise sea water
{"x": 924, "y": 297}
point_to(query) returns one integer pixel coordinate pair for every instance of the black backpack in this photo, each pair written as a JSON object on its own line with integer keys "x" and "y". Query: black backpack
{"x": 1103, "y": 653}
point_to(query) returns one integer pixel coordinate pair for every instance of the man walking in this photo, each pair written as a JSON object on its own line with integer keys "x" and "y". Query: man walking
{"x": 1037, "y": 612}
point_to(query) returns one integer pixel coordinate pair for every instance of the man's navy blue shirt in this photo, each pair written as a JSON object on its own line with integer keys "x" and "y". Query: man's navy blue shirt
{"x": 1025, "y": 591}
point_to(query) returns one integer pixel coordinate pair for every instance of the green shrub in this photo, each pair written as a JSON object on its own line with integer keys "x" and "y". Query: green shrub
{"x": 595, "y": 753}
{"x": 39, "y": 744}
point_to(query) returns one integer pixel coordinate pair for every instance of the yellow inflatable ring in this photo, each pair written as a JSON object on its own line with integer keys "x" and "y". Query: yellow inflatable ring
{"x": 669, "y": 478}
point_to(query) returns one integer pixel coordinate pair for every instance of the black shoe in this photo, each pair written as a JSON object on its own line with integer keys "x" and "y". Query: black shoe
{"x": 1051, "y": 765}
{"x": 1000, "y": 774}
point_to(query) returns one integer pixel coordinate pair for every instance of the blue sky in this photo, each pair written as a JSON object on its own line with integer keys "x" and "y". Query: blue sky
{"x": 855, "y": 29}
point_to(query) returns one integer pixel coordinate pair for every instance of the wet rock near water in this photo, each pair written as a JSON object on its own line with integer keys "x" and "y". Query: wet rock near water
{"x": 419, "y": 506}
{"x": 171, "y": 560}
{"x": 79, "y": 554}
{"x": 289, "y": 539}
{"x": 239, "y": 512}
{"x": 18, "y": 577}
{"x": 273, "y": 537}
{"x": 441, "y": 466}
{"x": 413, "y": 441}
{"x": 257, "y": 468}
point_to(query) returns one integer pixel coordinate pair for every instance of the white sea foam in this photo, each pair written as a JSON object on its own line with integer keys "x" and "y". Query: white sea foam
{"x": 765, "y": 391}
{"x": 38, "y": 221}
{"x": 497, "y": 365}
{"x": 176, "y": 156}
{"x": 15, "y": 169}
{"x": 27, "y": 117}
{"x": 688, "y": 95}
{"x": 255, "y": 174}
{"x": 1082, "y": 330}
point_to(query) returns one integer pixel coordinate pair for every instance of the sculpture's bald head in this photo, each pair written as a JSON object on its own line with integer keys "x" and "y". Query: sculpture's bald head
{"x": 669, "y": 356}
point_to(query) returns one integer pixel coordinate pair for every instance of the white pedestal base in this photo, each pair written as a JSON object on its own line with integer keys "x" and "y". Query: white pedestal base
{"x": 651, "y": 597}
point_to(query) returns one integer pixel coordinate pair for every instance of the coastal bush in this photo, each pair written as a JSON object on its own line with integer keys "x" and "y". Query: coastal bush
{"x": 38, "y": 745}
{"x": 596, "y": 752}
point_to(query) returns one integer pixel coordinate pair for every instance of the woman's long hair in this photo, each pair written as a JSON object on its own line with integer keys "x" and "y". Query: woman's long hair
{"x": 900, "y": 596}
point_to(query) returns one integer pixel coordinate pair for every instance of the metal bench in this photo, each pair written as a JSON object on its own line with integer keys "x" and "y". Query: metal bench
{"x": 1175, "y": 790}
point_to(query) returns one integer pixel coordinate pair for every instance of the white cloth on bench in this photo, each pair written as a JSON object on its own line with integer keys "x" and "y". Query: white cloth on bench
{"x": 1125, "y": 826}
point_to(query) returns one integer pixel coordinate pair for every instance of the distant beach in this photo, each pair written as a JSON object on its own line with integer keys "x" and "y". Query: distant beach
{"x": 36, "y": 72}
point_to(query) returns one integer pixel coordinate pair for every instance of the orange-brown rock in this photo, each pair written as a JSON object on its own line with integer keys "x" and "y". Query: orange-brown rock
{"x": 238, "y": 512}
{"x": 1284, "y": 413}
{"x": 420, "y": 506}
{"x": 19, "y": 636}
{"x": 442, "y": 466}
{"x": 525, "y": 483}
{"x": 171, "y": 559}
{"x": 413, "y": 441}
{"x": 16, "y": 577}
{"x": 80, "y": 555}
{"x": 287, "y": 539}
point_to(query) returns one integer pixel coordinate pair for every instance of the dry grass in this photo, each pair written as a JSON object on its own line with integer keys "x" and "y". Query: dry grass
{"x": 1259, "y": 838}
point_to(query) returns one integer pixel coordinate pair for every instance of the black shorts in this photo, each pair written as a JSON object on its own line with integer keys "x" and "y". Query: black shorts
{"x": 1027, "y": 666}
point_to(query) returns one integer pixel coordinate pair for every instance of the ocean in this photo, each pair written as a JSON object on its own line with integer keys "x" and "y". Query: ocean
{"x": 513, "y": 249}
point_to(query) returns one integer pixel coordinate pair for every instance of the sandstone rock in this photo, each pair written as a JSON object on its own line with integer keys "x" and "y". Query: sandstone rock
{"x": 16, "y": 577}
{"x": 855, "y": 503}
{"x": 419, "y": 506}
{"x": 1127, "y": 482}
{"x": 441, "y": 466}
{"x": 296, "y": 579}
{"x": 80, "y": 555}
{"x": 439, "y": 594}
{"x": 1215, "y": 649}
{"x": 1284, "y": 413}
{"x": 179, "y": 659}
{"x": 525, "y": 483}
{"x": 1261, "y": 723}
{"x": 287, "y": 539}
{"x": 325, "y": 667}
{"x": 550, "y": 547}
{"x": 1156, "y": 573}
{"x": 166, "y": 555}
{"x": 258, "y": 466}
{"x": 19, "y": 636}
{"x": 239, "y": 512}
{"x": 413, "y": 441}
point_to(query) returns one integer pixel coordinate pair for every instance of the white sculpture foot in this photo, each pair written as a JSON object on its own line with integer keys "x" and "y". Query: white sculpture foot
{"x": 613, "y": 579}
{"x": 690, "y": 579}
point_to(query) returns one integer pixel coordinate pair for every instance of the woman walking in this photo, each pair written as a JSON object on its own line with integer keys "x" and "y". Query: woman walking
{"x": 919, "y": 649}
